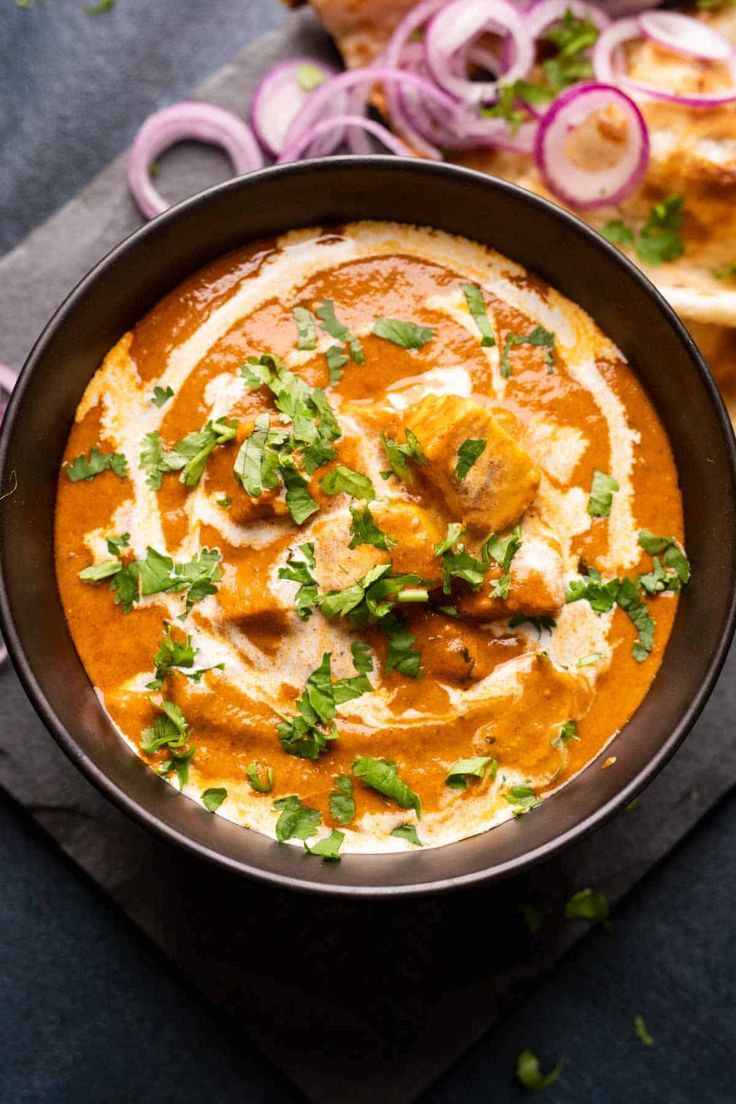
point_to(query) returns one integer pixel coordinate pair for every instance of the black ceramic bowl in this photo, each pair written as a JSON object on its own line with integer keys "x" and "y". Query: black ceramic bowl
{"x": 539, "y": 236}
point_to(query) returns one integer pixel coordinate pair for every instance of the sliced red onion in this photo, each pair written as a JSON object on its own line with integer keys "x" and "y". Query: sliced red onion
{"x": 296, "y": 149}
{"x": 547, "y": 12}
{"x": 456, "y": 25}
{"x": 187, "y": 121}
{"x": 280, "y": 95}
{"x": 608, "y": 72}
{"x": 576, "y": 186}
{"x": 685, "y": 35}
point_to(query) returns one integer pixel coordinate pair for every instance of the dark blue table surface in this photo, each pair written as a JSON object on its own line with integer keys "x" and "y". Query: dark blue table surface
{"x": 89, "y": 1011}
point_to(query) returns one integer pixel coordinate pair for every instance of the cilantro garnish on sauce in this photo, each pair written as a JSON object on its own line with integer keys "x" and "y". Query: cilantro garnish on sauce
{"x": 344, "y": 480}
{"x": 299, "y": 570}
{"x": 330, "y": 323}
{"x": 479, "y": 313}
{"x": 188, "y": 456}
{"x": 523, "y": 799}
{"x": 213, "y": 798}
{"x": 255, "y": 779}
{"x": 327, "y": 849}
{"x": 465, "y": 769}
{"x": 170, "y": 729}
{"x": 364, "y": 530}
{"x": 308, "y": 734}
{"x": 342, "y": 802}
{"x": 82, "y": 467}
{"x": 602, "y": 491}
{"x": 408, "y": 335}
{"x": 469, "y": 452}
{"x": 400, "y": 455}
{"x": 296, "y": 821}
{"x": 407, "y": 832}
{"x": 382, "y": 775}
{"x": 161, "y": 395}
{"x": 158, "y": 574}
{"x": 306, "y": 333}
{"x": 538, "y": 336}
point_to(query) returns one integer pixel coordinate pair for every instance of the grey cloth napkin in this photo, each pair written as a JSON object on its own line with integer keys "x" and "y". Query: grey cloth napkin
{"x": 292, "y": 969}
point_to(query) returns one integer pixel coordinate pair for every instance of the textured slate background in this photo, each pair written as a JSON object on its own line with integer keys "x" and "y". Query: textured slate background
{"x": 89, "y": 1010}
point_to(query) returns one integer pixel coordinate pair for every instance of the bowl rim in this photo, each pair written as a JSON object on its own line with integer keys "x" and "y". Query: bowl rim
{"x": 136, "y": 810}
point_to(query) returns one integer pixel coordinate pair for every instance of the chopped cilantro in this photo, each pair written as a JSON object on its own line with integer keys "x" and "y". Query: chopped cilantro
{"x": 538, "y": 336}
{"x": 161, "y": 395}
{"x": 308, "y": 734}
{"x": 170, "y": 729}
{"x": 569, "y": 731}
{"x": 631, "y": 603}
{"x": 158, "y": 574}
{"x": 225, "y": 502}
{"x": 642, "y": 1034}
{"x": 327, "y": 849}
{"x": 188, "y": 456}
{"x": 399, "y": 455}
{"x": 401, "y": 654}
{"x": 589, "y": 660}
{"x": 309, "y": 76}
{"x": 344, "y": 480}
{"x": 539, "y": 623}
{"x": 336, "y": 361}
{"x": 469, "y": 451}
{"x": 296, "y": 821}
{"x": 674, "y": 559}
{"x": 660, "y": 239}
{"x": 213, "y": 798}
{"x": 83, "y": 467}
{"x": 479, "y": 313}
{"x": 530, "y": 1075}
{"x": 306, "y": 333}
{"x": 256, "y": 781}
{"x": 523, "y": 799}
{"x": 342, "y": 802}
{"x": 502, "y": 550}
{"x": 464, "y": 769}
{"x": 382, "y": 775}
{"x": 588, "y": 904}
{"x": 103, "y": 570}
{"x": 114, "y": 544}
{"x": 300, "y": 571}
{"x": 330, "y": 323}
{"x": 601, "y": 596}
{"x": 601, "y": 494}
{"x": 454, "y": 532}
{"x": 364, "y": 530}
{"x": 178, "y": 763}
{"x": 406, "y": 334}
{"x": 407, "y": 832}
{"x": 617, "y": 232}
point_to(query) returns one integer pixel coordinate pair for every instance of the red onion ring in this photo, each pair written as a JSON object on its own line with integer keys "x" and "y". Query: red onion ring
{"x": 411, "y": 121}
{"x": 547, "y": 12}
{"x": 685, "y": 35}
{"x": 573, "y": 185}
{"x": 278, "y": 98}
{"x": 181, "y": 122}
{"x": 606, "y": 71}
{"x": 294, "y": 150}
{"x": 455, "y": 25}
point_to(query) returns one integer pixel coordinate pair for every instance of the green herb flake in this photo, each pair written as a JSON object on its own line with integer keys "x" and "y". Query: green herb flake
{"x": 306, "y": 333}
{"x": 530, "y": 1075}
{"x": 225, "y": 502}
{"x": 409, "y": 833}
{"x": 568, "y": 732}
{"x": 470, "y": 451}
{"x": 256, "y": 779}
{"x": 296, "y": 821}
{"x": 617, "y": 232}
{"x": 479, "y": 313}
{"x": 601, "y": 494}
{"x": 660, "y": 239}
{"x": 309, "y": 76}
{"x": 382, "y": 775}
{"x": 213, "y": 798}
{"x": 344, "y": 480}
{"x": 588, "y": 904}
{"x": 463, "y": 770}
{"x": 170, "y": 729}
{"x": 541, "y": 623}
{"x": 538, "y": 336}
{"x": 363, "y": 530}
{"x": 342, "y": 802}
{"x": 86, "y": 468}
{"x": 408, "y": 335}
{"x": 591, "y": 588}
{"x": 330, "y": 323}
{"x": 309, "y": 733}
{"x": 178, "y": 764}
{"x": 642, "y": 1034}
{"x": 523, "y": 799}
{"x": 633, "y": 605}
{"x": 327, "y": 849}
{"x": 161, "y": 395}
{"x": 103, "y": 570}
{"x": 399, "y": 455}
{"x": 502, "y": 550}
{"x": 300, "y": 570}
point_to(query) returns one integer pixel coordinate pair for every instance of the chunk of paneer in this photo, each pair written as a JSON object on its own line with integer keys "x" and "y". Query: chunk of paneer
{"x": 502, "y": 482}
{"x": 537, "y": 586}
{"x": 415, "y": 530}
{"x": 245, "y": 597}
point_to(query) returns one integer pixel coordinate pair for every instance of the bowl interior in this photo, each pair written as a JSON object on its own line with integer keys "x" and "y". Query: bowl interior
{"x": 532, "y": 232}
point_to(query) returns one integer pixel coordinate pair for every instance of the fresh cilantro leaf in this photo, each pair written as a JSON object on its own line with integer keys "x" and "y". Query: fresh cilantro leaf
{"x": 300, "y": 571}
{"x": 170, "y": 729}
{"x": 631, "y": 603}
{"x": 256, "y": 782}
{"x": 523, "y": 799}
{"x": 309, "y": 76}
{"x": 296, "y": 821}
{"x": 308, "y": 734}
{"x": 158, "y": 574}
{"x": 617, "y": 232}
{"x": 161, "y": 395}
{"x": 502, "y": 550}
{"x": 674, "y": 558}
{"x": 382, "y": 776}
{"x": 569, "y": 731}
{"x": 539, "y": 623}
{"x": 336, "y": 361}
{"x": 469, "y": 451}
{"x": 572, "y": 36}
{"x": 601, "y": 596}
{"x": 342, "y": 479}
{"x": 463, "y": 769}
{"x": 454, "y": 532}
{"x": 363, "y": 530}
{"x": 179, "y": 764}
{"x": 306, "y": 333}
{"x": 327, "y": 849}
{"x": 588, "y": 904}
{"x": 87, "y": 468}
{"x": 401, "y": 654}
{"x": 399, "y": 455}
{"x": 192, "y": 451}
{"x": 331, "y": 325}
{"x": 530, "y": 1075}
{"x": 300, "y": 503}
{"x": 125, "y": 586}
{"x": 479, "y": 313}
{"x": 511, "y": 104}
{"x": 213, "y": 798}
{"x": 114, "y": 544}
{"x": 362, "y": 658}
{"x": 406, "y": 334}
{"x": 601, "y": 494}
{"x": 407, "y": 832}
{"x": 642, "y": 1034}
{"x": 226, "y": 502}
{"x": 342, "y": 802}
{"x": 103, "y": 570}
{"x": 171, "y": 653}
{"x": 660, "y": 239}
{"x": 538, "y": 336}
{"x": 248, "y": 465}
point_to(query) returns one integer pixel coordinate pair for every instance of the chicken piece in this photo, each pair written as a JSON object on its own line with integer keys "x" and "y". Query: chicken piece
{"x": 457, "y": 653}
{"x": 244, "y": 597}
{"x": 415, "y": 530}
{"x": 537, "y": 586}
{"x": 502, "y": 482}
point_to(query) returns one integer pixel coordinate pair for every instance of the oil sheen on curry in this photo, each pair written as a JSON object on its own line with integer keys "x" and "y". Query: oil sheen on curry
{"x": 368, "y": 539}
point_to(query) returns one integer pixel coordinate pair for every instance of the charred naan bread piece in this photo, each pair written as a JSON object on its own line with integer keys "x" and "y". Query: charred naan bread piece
{"x": 693, "y": 154}
{"x": 501, "y": 483}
